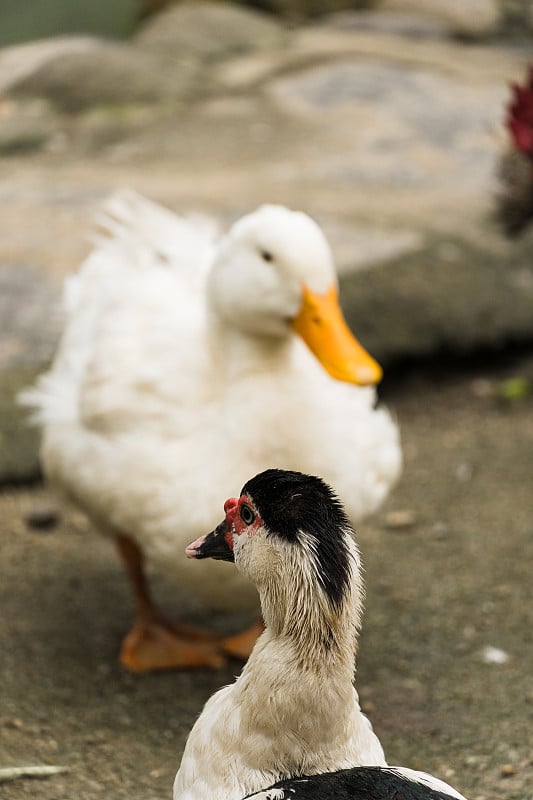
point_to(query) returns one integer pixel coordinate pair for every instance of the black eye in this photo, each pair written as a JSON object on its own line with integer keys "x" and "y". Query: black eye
{"x": 266, "y": 256}
{"x": 247, "y": 515}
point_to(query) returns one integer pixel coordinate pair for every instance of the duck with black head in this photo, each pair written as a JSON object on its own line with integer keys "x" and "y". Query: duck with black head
{"x": 294, "y": 710}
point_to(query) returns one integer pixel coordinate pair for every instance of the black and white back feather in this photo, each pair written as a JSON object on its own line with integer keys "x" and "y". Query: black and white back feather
{"x": 361, "y": 783}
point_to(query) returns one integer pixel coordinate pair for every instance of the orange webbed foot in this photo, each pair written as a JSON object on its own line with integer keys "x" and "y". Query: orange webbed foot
{"x": 156, "y": 644}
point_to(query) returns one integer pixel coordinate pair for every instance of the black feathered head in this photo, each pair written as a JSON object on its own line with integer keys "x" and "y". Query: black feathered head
{"x": 289, "y": 532}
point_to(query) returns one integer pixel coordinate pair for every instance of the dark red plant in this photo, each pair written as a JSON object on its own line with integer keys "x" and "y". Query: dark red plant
{"x": 514, "y": 198}
{"x": 519, "y": 119}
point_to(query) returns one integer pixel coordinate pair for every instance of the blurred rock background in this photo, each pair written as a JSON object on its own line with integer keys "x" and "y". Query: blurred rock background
{"x": 382, "y": 119}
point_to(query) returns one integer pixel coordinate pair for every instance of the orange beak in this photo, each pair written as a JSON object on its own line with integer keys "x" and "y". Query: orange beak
{"x": 321, "y": 324}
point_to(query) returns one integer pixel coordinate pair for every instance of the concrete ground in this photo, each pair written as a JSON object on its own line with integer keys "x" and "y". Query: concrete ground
{"x": 440, "y": 592}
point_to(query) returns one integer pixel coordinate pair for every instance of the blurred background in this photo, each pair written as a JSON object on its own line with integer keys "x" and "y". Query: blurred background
{"x": 384, "y": 120}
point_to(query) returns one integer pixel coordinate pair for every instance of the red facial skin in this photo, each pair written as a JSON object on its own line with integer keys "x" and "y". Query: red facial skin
{"x": 234, "y": 522}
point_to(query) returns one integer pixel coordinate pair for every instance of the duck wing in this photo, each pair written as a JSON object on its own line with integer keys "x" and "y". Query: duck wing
{"x": 361, "y": 783}
{"x": 145, "y": 232}
{"x": 133, "y": 343}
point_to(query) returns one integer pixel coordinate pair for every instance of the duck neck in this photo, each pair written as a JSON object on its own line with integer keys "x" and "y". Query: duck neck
{"x": 241, "y": 354}
{"x": 316, "y": 635}
{"x": 300, "y": 675}
{"x": 317, "y": 632}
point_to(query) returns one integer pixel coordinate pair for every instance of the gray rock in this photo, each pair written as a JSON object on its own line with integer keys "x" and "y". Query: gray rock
{"x": 397, "y": 23}
{"x": 397, "y": 125}
{"x": 460, "y": 114}
{"x": 209, "y": 31}
{"x": 30, "y": 316}
{"x": 30, "y": 326}
{"x": 170, "y": 60}
{"x": 42, "y": 518}
{"x": 25, "y": 126}
{"x": 517, "y": 19}
{"x": 19, "y": 62}
{"x": 359, "y": 247}
{"x": 451, "y": 297}
{"x": 299, "y": 10}
{"x": 473, "y": 19}
{"x": 19, "y": 440}
{"x": 91, "y": 72}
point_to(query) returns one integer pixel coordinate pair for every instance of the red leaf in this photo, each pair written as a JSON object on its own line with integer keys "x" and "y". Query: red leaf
{"x": 519, "y": 119}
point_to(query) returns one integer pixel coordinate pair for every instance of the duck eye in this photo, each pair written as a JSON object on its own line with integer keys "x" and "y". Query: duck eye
{"x": 247, "y": 515}
{"x": 266, "y": 256}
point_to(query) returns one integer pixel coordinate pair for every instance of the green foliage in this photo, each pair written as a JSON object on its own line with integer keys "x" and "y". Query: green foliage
{"x": 37, "y": 19}
{"x": 514, "y": 389}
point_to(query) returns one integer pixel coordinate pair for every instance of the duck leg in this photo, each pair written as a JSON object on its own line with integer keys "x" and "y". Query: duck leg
{"x": 241, "y": 644}
{"x": 154, "y": 642}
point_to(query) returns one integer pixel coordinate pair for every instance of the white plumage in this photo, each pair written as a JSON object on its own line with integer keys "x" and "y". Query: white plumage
{"x": 178, "y": 374}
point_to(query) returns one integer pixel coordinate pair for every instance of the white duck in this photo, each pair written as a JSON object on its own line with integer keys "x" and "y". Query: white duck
{"x": 293, "y": 711}
{"x": 182, "y": 369}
